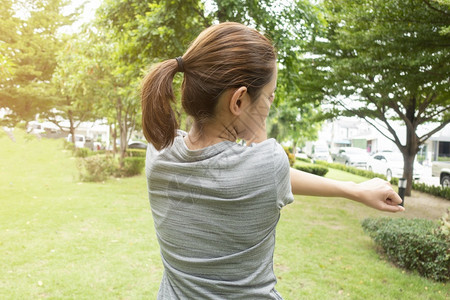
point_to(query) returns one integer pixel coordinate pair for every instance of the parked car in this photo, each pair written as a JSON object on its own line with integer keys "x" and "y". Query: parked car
{"x": 321, "y": 153}
{"x": 85, "y": 142}
{"x": 137, "y": 145}
{"x": 391, "y": 165}
{"x": 441, "y": 169}
{"x": 352, "y": 156}
{"x": 80, "y": 140}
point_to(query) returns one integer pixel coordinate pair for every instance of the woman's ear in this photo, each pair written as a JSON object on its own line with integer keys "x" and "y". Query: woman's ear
{"x": 237, "y": 100}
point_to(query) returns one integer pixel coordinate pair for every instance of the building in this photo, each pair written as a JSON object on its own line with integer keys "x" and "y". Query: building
{"x": 355, "y": 132}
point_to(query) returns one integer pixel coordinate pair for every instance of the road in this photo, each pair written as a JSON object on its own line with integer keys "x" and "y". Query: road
{"x": 427, "y": 178}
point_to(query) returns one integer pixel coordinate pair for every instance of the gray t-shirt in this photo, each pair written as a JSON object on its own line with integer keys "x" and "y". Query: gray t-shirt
{"x": 215, "y": 211}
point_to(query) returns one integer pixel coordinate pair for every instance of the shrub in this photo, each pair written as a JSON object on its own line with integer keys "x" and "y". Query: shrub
{"x": 96, "y": 168}
{"x": 290, "y": 156}
{"x": 303, "y": 159}
{"x": 136, "y": 152}
{"x": 353, "y": 170}
{"x": 439, "y": 191}
{"x": 68, "y": 145}
{"x": 413, "y": 244}
{"x": 82, "y": 152}
{"x": 317, "y": 170}
{"x": 131, "y": 166}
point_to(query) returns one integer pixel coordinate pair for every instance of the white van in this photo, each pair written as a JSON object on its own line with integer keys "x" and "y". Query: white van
{"x": 80, "y": 140}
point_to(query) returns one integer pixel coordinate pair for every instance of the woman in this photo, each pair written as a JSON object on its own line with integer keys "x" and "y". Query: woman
{"x": 216, "y": 203}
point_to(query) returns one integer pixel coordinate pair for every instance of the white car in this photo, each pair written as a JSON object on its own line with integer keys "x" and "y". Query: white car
{"x": 351, "y": 156}
{"x": 391, "y": 164}
{"x": 321, "y": 153}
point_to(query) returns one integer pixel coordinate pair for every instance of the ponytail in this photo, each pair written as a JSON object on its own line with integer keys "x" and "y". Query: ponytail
{"x": 158, "y": 118}
{"x": 223, "y": 56}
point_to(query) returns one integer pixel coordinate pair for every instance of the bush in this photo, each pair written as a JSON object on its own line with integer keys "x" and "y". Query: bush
{"x": 136, "y": 152}
{"x": 317, "y": 170}
{"x": 353, "y": 170}
{"x": 290, "y": 156}
{"x": 131, "y": 166}
{"x": 413, "y": 244}
{"x": 96, "y": 168}
{"x": 303, "y": 159}
{"x": 82, "y": 152}
{"x": 439, "y": 191}
{"x": 68, "y": 145}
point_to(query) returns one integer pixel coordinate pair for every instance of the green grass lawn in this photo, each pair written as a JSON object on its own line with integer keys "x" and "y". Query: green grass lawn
{"x": 62, "y": 239}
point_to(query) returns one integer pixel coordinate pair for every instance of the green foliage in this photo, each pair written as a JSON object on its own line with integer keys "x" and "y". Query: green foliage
{"x": 132, "y": 166}
{"x": 136, "y": 152}
{"x": 391, "y": 60}
{"x": 303, "y": 159}
{"x": 353, "y": 170}
{"x": 145, "y": 33}
{"x": 28, "y": 43}
{"x": 413, "y": 244}
{"x": 290, "y": 156}
{"x": 445, "y": 223}
{"x": 317, "y": 170}
{"x": 438, "y": 191}
{"x": 75, "y": 83}
{"x": 96, "y": 168}
{"x": 82, "y": 152}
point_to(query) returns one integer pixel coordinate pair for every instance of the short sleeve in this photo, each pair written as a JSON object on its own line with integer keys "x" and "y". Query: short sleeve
{"x": 282, "y": 177}
{"x": 150, "y": 156}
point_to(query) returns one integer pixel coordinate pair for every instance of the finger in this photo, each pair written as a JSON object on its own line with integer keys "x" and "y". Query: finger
{"x": 392, "y": 208}
{"x": 394, "y": 197}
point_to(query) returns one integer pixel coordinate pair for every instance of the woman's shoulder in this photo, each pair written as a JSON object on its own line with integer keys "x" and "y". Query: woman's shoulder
{"x": 269, "y": 147}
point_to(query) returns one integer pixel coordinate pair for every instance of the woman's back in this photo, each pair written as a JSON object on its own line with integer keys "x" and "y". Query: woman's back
{"x": 215, "y": 212}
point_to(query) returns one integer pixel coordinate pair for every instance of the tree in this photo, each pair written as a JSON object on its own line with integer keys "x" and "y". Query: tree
{"x": 74, "y": 84}
{"x": 28, "y": 39}
{"x": 390, "y": 59}
{"x": 142, "y": 33}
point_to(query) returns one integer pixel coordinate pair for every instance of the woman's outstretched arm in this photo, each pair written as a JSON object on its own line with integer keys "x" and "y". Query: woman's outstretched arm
{"x": 375, "y": 193}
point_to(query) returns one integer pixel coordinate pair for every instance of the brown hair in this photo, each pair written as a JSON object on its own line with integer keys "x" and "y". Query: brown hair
{"x": 223, "y": 56}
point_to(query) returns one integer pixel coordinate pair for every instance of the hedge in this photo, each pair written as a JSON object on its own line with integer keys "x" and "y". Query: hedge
{"x": 101, "y": 167}
{"x": 414, "y": 244}
{"x": 82, "y": 152}
{"x": 131, "y": 166}
{"x": 317, "y": 170}
{"x": 136, "y": 152}
{"x": 439, "y": 191}
{"x": 353, "y": 170}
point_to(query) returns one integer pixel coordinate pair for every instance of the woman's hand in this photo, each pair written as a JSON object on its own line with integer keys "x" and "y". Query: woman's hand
{"x": 378, "y": 194}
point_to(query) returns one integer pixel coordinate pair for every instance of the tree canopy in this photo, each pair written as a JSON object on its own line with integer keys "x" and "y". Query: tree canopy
{"x": 28, "y": 43}
{"x": 387, "y": 61}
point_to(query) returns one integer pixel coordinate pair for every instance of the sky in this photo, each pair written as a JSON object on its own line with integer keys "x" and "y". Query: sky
{"x": 87, "y": 15}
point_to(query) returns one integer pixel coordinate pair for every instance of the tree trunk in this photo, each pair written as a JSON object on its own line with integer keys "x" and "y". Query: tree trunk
{"x": 412, "y": 147}
{"x": 71, "y": 126}
{"x": 408, "y": 171}
{"x": 294, "y": 148}
{"x": 121, "y": 132}
{"x": 114, "y": 136}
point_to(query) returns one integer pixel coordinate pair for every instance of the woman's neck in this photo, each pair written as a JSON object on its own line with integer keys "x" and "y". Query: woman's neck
{"x": 208, "y": 134}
